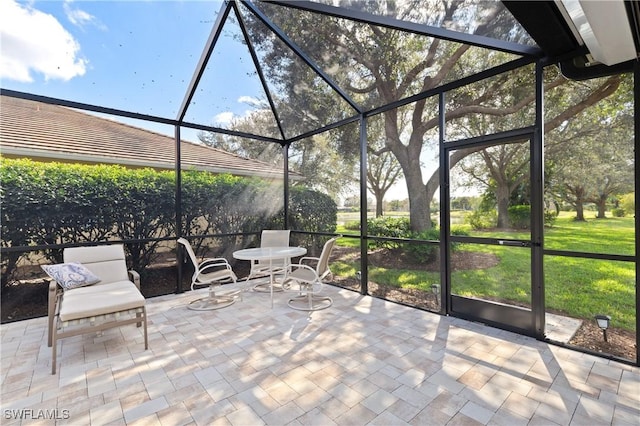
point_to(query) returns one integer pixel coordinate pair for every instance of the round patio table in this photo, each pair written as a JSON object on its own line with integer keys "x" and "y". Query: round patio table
{"x": 270, "y": 254}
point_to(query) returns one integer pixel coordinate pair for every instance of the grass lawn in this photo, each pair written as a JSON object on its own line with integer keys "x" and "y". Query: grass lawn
{"x": 578, "y": 287}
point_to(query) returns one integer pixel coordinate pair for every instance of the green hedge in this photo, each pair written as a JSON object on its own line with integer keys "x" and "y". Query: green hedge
{"x": 481, "y": 219}
{"x": 520, "y": 216}
{"x": 311, "y": 211}
{"x": 389, "y": 227}
{"x": 399, "y": 227}
{"x": 57, "y": 203}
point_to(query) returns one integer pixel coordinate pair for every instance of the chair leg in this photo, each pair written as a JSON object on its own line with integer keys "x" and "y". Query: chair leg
{"x": 54, "y": 353}
{"x": 51, "y": 310}
{"x": 146, "y": 337}
{"x": 50, "y": 332}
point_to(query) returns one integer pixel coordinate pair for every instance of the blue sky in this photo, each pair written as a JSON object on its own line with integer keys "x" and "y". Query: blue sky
{"x": 137, "y": 56}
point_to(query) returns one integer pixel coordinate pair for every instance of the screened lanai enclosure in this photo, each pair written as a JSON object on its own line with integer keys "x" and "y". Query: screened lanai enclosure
{"x": 478, "y": 159}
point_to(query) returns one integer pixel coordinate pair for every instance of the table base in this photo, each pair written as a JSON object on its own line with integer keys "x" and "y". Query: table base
{"x": 266, "y": 287}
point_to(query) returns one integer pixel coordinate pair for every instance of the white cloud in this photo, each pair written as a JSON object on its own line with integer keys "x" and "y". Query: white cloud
{"x": 36, "y": 41}
{"x": 223, "y": 118}
{"x": 251, "y": 101}
{"x": 79, "y": 17}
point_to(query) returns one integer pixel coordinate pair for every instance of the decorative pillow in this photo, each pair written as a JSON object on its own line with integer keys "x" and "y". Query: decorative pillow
{"x": 71, "y": 275}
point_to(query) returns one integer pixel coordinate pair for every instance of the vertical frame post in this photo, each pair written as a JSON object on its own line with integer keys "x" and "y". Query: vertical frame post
{"x": 364, "y": 261}
{"x": 537, "y": 208}
{"x": 445, "y": 231}
{"x": 178, "y": 208}
{"x": 636, "y": 116}
{"x": 285, "y": 154}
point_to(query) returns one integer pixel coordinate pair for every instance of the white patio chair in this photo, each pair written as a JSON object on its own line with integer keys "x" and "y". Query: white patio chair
{"x": 261, "y": 268}
{"x": 310, "y": 280}
{"x": 211, "y": 272}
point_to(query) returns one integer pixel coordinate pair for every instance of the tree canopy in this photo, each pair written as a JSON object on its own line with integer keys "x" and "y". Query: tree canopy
{"x": 373, "y": 66}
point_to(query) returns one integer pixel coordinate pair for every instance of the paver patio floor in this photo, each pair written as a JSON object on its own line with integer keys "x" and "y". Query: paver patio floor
{"x": 363, "y": 361}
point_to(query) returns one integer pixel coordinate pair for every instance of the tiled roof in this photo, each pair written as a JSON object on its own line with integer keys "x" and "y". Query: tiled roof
{"x": 50, "y": 132}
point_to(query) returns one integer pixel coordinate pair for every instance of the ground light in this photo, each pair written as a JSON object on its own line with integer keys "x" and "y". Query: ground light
{"x": 603, "y": 323}
{"x": 435, "y": 289}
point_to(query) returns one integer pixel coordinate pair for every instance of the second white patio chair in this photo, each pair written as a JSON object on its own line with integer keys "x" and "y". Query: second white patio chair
{"x": 310, "y": 280}
{"x": 260, "y": 268}
{"x": 211, "y": 272}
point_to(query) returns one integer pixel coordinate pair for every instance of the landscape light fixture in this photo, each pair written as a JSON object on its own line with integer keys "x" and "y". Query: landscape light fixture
{"x": 435, "y": 289}
{"x": 603, "y": 323}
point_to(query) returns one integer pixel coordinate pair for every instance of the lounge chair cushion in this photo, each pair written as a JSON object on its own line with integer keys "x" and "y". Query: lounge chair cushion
{"x": 71, "y": 275}
{"x": 106, "y": 262}
{"x": 86, "y": 302}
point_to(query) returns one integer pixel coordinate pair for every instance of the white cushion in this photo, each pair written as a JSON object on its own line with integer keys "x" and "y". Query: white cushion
{"x": 107, "y": 262}
{"x": 71, "y": 275}
{"x": 98, "y": 300}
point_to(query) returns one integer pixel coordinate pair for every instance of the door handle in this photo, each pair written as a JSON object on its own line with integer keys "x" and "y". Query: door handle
{"x": 514, "y": 243}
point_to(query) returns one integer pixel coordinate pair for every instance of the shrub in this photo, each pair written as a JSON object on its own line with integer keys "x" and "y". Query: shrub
{"x": 424, "y": 252}
{"x": 520, "y": 216}
{"x": 455, "y": 230}
{"x": 54, "y": 203}
{"x": 311, "y": 211}
{"x": 550, "y": 217}
{"x": 618, "y": 212}
{"x": 481, "y": 219}
{"x": 390, "y": 227}
{"x": 628, "y": 202}
{"x": 353, "y": 225}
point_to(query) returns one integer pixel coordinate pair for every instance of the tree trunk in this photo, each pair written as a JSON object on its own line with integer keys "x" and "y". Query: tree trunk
{"x": 502, "y": 195}
{"x": 579, "y": 211}
{"x": 420, "y": 195}
{"x": 602, "y": 208}
{"x": 379, "y": 199}
{"x": 578, "y": 192}
{"x": 419, "y": 203}
{"x": 409, "y": 159}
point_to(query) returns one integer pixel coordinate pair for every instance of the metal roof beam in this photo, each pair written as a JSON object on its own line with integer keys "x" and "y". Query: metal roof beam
{"x": 300, "y": 53}
{"x": 204, "y": 59}
{"x": 256, "y": 64}
{"x": 416, "y": 28}
{"x": 86, "y": 107}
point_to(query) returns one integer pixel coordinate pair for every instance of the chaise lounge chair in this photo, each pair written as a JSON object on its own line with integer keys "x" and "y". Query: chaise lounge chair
{"x": 93, "y": 291}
